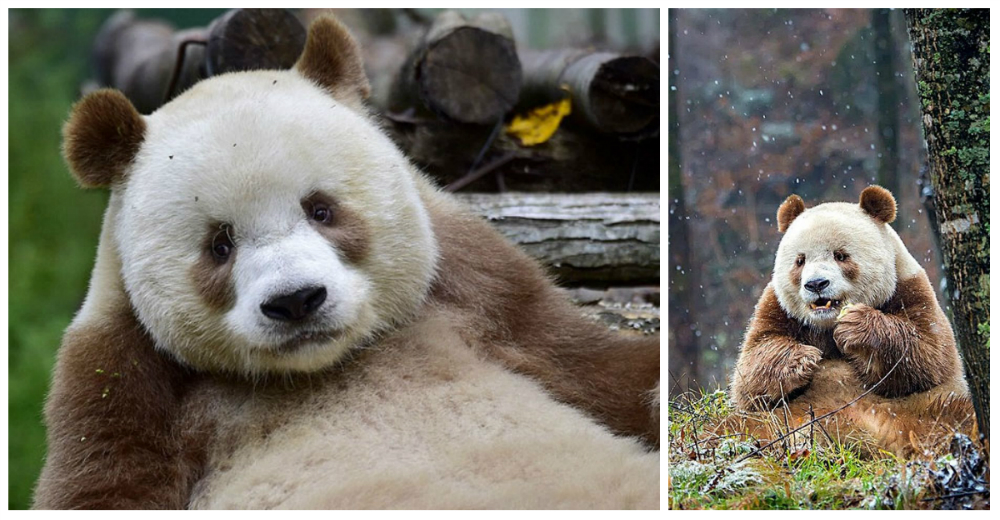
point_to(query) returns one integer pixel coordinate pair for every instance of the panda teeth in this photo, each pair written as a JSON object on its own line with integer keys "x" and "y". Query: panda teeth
{"x": 826, "y": 305}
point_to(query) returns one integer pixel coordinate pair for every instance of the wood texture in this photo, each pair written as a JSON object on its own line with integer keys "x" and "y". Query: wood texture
{"x": 251, "y": 39}
{"x": 465, "y": 71}
{"x": 592, "y": 238}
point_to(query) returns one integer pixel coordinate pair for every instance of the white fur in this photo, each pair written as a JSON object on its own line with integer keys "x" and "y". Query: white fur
{"x": 423, "y": 422}
{"x": 820, "y": 231}
{"x": 270, "y": 140}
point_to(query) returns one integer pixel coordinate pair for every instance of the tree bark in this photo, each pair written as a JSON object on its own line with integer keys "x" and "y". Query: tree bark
{"x": 685, "y": 357}
{"x": 593, "y": 238}
{"x": 952, "y": 62}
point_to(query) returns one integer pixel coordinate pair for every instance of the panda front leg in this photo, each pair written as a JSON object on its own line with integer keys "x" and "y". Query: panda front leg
{"x": 773, "y": 363}
{"x": 771, "y": 369}
{"x": 904, "y": 347}
{"x": 114, "y": 437}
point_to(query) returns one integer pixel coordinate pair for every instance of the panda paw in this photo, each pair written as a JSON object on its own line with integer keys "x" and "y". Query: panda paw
{"x": 798, "y": 370}
{"x": 855, "y": 328}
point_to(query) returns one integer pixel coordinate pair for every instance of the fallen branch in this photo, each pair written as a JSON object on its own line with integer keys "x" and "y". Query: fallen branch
{"x": 955, "y": 495}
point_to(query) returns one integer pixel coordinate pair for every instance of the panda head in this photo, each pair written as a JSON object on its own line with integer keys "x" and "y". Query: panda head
{"x": 263, "y": 223}
{"x": 835, "y": 254}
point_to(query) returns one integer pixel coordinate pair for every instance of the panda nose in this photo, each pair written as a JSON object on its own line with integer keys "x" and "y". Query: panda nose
{"x": 817, "y": 285}
{"x": 294, "y": 306}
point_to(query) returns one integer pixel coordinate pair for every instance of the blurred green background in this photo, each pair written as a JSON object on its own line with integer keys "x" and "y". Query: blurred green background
{"x": 53, "y": 225}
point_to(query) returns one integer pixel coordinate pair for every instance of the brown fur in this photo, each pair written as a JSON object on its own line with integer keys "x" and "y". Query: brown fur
{"x": 796, "y": 275}
{"x": 791, "y": 208}
{"x": 785, "y": 362}
{"x": 333, "y": 60}
{"x": 912, "y": 327}
{"x": 347, "y": 230}
{"x": 114, "y": 441}
{"x": 850, "y": 268}
{"x": 523, "y": 322}
{"x": 778, "y": 356}
{"x": 212, "y": 279}
{"x": 879, "y": 203}
{"x": 102, "y": 137}
{"x": 908, "y": 426}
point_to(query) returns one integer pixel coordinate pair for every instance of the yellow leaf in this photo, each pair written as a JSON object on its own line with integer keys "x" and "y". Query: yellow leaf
{"x": 538, "y": 125}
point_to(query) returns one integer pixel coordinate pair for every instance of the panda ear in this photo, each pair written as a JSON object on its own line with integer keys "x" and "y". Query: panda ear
{"x": 791, "y": 208}
{"x": 332, "y": 59}
{"x": 102, "y": 137}
{"x": 879, "y": 203}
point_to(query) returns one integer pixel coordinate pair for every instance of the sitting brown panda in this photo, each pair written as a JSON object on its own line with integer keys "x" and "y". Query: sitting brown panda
{"x": 285, "y": 313}
{"x": 848, "y": 310}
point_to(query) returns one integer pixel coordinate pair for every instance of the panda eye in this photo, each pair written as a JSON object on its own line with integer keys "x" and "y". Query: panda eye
{"x": 318, "y": 208}
{"x": 801, "y": 260}
{"x": 839, "y": 256}
{"x": 222, "y": 245}
{"x": 322, "y": 213}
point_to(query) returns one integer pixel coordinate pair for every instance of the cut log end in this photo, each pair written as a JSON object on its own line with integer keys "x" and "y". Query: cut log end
{"x": 255, "y": 39}
{"x": 625, "y": 94}
{"x": 611, "y": 93}
{"x": 470, "y": 75}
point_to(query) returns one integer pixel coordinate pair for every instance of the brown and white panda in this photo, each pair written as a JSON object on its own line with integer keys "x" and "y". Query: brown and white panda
{"x": 849, "y": 310}
{"x": 284, "y": 313}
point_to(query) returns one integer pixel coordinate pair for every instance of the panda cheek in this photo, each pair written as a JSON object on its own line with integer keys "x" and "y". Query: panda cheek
{"x": 795, "y": 276}
{"x": 348, "y": 233}
{"x": 213, "y": 282}
{"x": 850, "y": 269}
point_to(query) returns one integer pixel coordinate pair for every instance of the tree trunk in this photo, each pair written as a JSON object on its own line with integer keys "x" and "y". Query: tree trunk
{"x": 584, "y": 239}
{"x": 952, "y": 62}
{"x": 888, "y": 104}
{"x": 684, "y": 354}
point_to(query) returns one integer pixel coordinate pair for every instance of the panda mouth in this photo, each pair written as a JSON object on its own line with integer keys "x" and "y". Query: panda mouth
{"x": 823, "y": 305}
{"x": 306, "y": 338}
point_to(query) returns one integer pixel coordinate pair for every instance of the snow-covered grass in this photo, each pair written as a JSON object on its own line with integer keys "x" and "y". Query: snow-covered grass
{"x": 708, "y": 469}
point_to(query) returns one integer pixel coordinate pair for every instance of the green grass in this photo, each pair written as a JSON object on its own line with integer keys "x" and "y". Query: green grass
{"x": 53, "y": 226}
{"x": 705, "y": 472}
